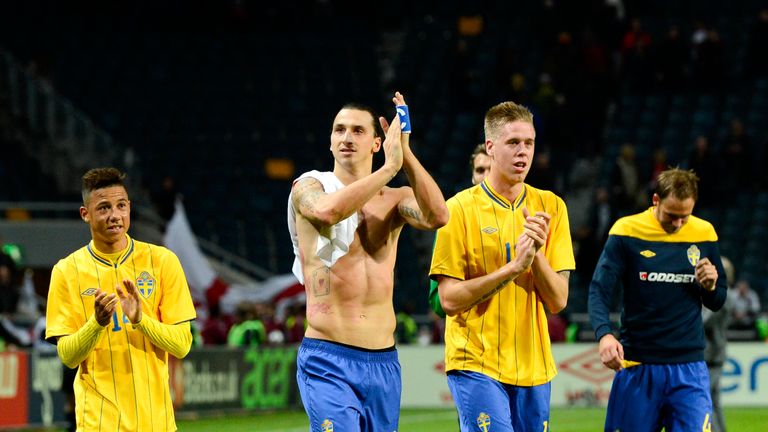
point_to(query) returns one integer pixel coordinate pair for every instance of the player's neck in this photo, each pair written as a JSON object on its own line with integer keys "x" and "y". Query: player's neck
{"x": 505, "y": 188}
{"x": 350, "y": 174}
{"x": 111, "y": 248}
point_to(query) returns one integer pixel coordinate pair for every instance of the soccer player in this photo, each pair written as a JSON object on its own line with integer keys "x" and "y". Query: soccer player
{"x": 345, "y": 225}
{"x": 116, "y": 308}
{"x": 668, "y": 264}
{"x": 504, "y": 255}
{"x": 480, "y": 165}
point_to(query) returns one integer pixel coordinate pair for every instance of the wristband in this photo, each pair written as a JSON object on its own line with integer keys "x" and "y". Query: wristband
{"x": 405, "y": 118}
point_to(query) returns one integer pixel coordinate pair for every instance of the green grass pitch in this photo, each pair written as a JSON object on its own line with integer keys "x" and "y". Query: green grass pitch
{"x": 411, "y": 420}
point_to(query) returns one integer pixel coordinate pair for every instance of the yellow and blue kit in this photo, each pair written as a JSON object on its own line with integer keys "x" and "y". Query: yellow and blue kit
{"x": 667, "y": 383}
{"x": 123, "y": 382}
{"x": 505, "y": 337}
{"x": 661, "y": 311}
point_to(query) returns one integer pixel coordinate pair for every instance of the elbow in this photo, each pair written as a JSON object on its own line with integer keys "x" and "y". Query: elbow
{"x": 184, "y": 350}
{"x": 328, "y": 217}
{"x": 451, "y": 308}
{"x": 558, "y": 305}
{"x": 439, "y": 218}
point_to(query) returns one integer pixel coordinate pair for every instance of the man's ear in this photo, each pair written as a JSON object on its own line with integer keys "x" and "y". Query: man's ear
{"x": 84, "y": 214}
{"x": 489, "y": 148}
{"x": 376, "y": 144}
{"x": 656, "y": 200}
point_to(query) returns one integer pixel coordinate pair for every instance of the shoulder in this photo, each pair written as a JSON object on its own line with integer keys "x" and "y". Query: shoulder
{"x": 700, "y": 229}
{"x": 155, "y": 251}
{"x": 464, "y": 198}
{"x": 548, "y": 200}
{"x": 628, "y": 226}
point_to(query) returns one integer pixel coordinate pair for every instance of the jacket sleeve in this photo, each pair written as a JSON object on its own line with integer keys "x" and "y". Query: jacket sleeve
{"x": 607, "y": 275}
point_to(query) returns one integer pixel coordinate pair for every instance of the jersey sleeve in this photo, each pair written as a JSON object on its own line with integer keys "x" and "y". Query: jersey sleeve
{"x": 607, "y": 274}
{"x": 559, "y": 252}
{"x": 449, "y": 254}
{"x": 62, "y": 315}
{"x": 714, "y": 300}
{"x": 176, "y": 303}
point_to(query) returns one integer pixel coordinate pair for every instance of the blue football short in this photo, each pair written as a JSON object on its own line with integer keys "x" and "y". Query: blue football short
{"x": 647, "y": 397}
{"x": 345, "y": 388}
{"x": 486, "y": 405}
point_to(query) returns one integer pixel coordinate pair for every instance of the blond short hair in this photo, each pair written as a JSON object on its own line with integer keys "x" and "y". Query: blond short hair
{"x": 683, "y": 184}
{"x": 506, "y": 112}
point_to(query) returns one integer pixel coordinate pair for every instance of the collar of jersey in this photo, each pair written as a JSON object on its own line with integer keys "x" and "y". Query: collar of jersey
{"x": 99, "y": 257}
{"x": 500, "y": 200}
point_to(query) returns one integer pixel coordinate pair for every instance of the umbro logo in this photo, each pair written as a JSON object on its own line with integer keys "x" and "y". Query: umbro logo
{"x": 648, "y": 254}
{"x": 89, "y": 292}
{"x": 489, "y": 230}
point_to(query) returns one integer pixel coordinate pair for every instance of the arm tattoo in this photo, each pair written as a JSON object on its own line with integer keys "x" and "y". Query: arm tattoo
{"x": 411, "y": 213}
{"x": 491, "y": 293}
{"x": 321, "y": 282}
{"x": 306, "y": 194}
{"x": 565, "y": 273}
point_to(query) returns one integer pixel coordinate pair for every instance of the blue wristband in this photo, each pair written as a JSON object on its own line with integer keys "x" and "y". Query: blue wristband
{"x": 405, "y": 118}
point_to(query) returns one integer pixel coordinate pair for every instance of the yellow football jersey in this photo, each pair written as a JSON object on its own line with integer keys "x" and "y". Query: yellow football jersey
{"x": 123, "y": 383}
{"x": 506, "y": 337}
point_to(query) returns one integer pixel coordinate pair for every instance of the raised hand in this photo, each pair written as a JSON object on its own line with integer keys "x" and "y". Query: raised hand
{"x": 399, "y": 99}
{"x": 104, "y": 306}
{"x": 393, "y": 148}
{"x": 537, "y": 227}
{"x": 130, "y": 300}
{"x": 706, "y": 274}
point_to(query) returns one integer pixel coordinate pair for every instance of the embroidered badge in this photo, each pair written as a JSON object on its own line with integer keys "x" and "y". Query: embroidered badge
{"x": 648, "y": 254}
{"x": 89, "y": 292}
{"x": 693, "y": 255}
{"x": 484, "y": 422}
{"x": 489, "y": 230}
{"x": 327, "y": 426}
{"x": 146, "y": 284}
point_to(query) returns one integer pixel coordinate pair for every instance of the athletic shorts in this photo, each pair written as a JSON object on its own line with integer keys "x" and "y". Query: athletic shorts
{"x": 486, "y": 405}
{"x": 647, "y": 397}
{"x": 345, "y": 388}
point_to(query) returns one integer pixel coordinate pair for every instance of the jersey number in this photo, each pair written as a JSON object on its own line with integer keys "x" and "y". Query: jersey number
{"x": 116, "y": 327}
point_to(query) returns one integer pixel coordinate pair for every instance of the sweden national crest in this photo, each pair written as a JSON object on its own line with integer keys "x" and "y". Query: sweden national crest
{"x": 145, "y": 284}
{"x": 327, "y": 426}
{"x": 693, "y": 255}
{"x": 484, "y": 422}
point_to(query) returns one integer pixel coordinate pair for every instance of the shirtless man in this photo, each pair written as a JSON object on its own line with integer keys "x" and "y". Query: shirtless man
{"x": 345, "y": 226}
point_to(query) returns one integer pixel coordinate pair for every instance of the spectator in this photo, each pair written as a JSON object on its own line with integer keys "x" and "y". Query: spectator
{"x": 709, "y": 63}
{"x": 406, "y": 329}
{"x": 626, "y": 181}
{"x": 715, "y": 325}
{"x": 215, "y": 327}
{"x": 247, "y": 330}
{"x": 542, "y": 175}
{"x": 672, "y": 60}
{"x": 746, "y": 305}
{"x": 702, "y": 162}
{"x": 736, "y": 159}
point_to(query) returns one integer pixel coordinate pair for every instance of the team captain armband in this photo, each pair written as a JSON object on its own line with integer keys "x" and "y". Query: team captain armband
{"x": 405, "y": 118}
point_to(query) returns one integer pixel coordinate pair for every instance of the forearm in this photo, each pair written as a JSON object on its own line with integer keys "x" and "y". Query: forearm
{"x": 74, "y": 348}
{"x": 173, "y": 338}
{"x": 330, "y": 209}
{"x": 551, "y": 286}
{"x": 599, "y": 309}
{"x": 457, "y": 296}
{"x": 426, "y": 191}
